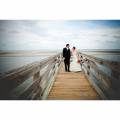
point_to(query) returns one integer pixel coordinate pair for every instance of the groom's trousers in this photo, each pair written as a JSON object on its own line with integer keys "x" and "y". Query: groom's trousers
{"x": 67, "y": 64}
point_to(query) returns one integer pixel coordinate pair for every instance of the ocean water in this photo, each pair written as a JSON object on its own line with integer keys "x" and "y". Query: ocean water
{"x": 106, "y": 56}
{"x": 10, "y": 63}
{"x": 109, "y": 57}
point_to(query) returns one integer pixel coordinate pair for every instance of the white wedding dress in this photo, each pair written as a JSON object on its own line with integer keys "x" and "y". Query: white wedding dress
{"x": 74, "y": 65}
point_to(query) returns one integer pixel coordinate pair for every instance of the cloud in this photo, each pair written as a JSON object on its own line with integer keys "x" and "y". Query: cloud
{"x": 30, "y": 35}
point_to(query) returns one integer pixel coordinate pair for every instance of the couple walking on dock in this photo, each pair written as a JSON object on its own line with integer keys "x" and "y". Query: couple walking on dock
{"x": 71, "y": 59}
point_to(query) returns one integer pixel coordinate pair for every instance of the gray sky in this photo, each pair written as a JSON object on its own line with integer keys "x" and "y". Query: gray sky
{"x": 53, "y": 35}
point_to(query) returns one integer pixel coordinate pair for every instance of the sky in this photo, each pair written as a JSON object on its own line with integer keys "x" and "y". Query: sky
{"x": 55, "y": 34}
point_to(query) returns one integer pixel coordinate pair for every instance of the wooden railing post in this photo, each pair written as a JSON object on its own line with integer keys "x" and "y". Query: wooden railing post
{"x": 108, "y": 86}
{"x": 29, "y": 81}
{"x": 36, "y": 76}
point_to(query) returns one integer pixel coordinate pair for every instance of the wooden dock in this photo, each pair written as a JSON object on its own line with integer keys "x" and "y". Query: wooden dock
{"x": 72, "y": 86}
{"x": 47, "y": 79}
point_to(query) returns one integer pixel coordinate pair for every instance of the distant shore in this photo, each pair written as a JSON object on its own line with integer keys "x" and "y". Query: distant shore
{"x": 101, "y": 52}
{"x": 50, "y": 53}
{"x": 26, "y": 53}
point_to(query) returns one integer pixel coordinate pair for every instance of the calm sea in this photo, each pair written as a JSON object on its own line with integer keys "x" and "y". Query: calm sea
{"x": 9, "y": 63}
{"x": 106, "y": 56}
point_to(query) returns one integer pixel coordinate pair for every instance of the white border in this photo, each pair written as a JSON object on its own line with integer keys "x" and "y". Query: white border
{"x": 59, "y": 10}
{"x": 59, "y": 110}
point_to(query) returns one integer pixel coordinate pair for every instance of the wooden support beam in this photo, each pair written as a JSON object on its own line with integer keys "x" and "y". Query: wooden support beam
{"x": 27, "y": 82}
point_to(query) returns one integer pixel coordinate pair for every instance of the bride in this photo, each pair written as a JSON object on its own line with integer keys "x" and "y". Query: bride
{"x": 75, "y": 61}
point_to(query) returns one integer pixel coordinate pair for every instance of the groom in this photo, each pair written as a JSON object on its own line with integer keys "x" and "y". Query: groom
{"x": 66, "y": 56}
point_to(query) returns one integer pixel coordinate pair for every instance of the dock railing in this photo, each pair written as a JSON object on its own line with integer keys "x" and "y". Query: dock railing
{"x": 32, "y": 81}
{"x": 103, "y": 74}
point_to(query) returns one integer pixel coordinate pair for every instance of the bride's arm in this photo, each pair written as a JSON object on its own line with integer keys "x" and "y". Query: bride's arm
{"x": 78, "y": 56}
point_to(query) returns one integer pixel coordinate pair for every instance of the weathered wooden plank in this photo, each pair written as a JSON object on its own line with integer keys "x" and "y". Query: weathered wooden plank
{"x": 23, "y": 90}
{"x": 115, "y": 65}
{"x": 15, "y": 72}
{"x": 101, "y": 84}
{"x": 108, "y": 84}
{"x": 72, "y": 86}
{"x": 11, "y": 82}
{"x": 95, "y": 84}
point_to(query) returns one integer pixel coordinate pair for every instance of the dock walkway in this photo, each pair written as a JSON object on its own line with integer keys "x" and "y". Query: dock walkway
{"x": 72, "y": 86}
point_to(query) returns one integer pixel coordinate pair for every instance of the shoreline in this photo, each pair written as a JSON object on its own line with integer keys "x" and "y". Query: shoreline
{"x": 17, "y": 54}
{"x": 50, "y": 53}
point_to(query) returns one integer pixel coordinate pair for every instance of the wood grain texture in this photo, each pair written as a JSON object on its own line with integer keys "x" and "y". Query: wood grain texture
{"x": 72, "y": 86}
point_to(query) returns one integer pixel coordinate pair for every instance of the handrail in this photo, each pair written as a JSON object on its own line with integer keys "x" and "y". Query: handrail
{"x": 115, "y": 65}
{"x": 29, "y": 81}
{"x": 106, "y": 85}
{"x": 34, "y": 81}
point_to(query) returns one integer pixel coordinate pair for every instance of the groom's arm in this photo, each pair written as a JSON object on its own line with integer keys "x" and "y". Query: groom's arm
{"x": 70, "y": 53}
{"x": 63, "y": 53}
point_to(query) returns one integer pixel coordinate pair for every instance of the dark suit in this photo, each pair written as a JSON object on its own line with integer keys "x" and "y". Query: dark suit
{"x": 66, "y": 55}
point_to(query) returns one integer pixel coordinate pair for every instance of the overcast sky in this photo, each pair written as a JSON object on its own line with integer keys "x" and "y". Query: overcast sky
{"x": 52, "y": 35}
